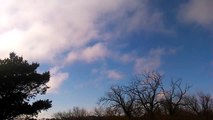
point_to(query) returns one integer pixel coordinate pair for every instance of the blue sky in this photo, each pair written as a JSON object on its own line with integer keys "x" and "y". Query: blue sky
{"x": 90, "y": 45}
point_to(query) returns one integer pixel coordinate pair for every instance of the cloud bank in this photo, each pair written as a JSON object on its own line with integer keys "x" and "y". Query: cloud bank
{"x": 65, "y": 31}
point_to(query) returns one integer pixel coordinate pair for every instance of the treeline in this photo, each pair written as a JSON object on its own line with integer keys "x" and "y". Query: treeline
{"x": 147, "y": 98}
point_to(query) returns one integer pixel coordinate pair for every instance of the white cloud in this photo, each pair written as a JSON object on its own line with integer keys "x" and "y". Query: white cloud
{"x": 161, "y": 96}
{"x": 150, "y": 62}
{"x": 89, "y": 54}
{"x": 137, "y": 15}
{"x": 56, "y": 79}
{"x": 125, "y": 57}
{"x": 95, "y": 52}
{"x": 51, "y": 27}
{"x": 114, "y": 75}
{"x": 197, "y": 11}
{"x": 57, "y": 31}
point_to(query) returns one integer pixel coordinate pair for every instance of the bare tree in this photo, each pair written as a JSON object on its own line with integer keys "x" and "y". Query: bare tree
{"x": 63, "y": 115}
{"x": 201, "y": 105}
{"x": 99, "y": 111}
{"x": 146, "y": 88}
{"x": 109, "y": 112}
{"x": 79, "y": 112}
{"x": 75, "y": 113}
{"x": 172, "y": 99}
{"x": 119, "y": 98}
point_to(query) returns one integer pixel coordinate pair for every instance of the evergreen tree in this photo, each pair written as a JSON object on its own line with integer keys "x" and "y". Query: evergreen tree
{"x": 19, "y": 84}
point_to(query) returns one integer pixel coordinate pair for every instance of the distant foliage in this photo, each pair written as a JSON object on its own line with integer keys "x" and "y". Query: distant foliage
{"x": 19, "y": 83}
{"x": 75, "y": 113}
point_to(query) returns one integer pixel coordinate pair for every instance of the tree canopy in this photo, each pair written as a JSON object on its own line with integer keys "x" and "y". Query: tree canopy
{"x": 19, "y": 84}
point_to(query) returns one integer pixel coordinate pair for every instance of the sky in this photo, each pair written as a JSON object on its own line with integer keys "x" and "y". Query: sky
{"x": 90, "y": 45}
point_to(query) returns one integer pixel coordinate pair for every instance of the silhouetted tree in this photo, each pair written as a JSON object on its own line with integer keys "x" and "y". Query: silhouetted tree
{"x": 20, "y": 83}
{"x": 172, "y": 99}
{"x": 99, "y": 111}
{"x": 75, "y": 113}
{"x": 79, "y": 112}
{"x": 120, "y": 98}
{"x": 146, "y": 88}
{"x": 201, "y": 105}
{"x": 145, "y": 98}
{"x": 109, "y": 112}
{"x": 63, "y": 115}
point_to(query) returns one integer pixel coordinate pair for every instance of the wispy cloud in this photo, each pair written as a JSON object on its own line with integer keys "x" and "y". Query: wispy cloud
{"x": 127, "y": 57}
{"x": 114, "y": 75}
{"x": 197, "y": 11}
{"x": 57, "y": 77}
{"x": 153, "y": 60}
{"x": 89, "y": 54}
{"x": 150, "y": 62}
{"x": 55, "y": 32}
